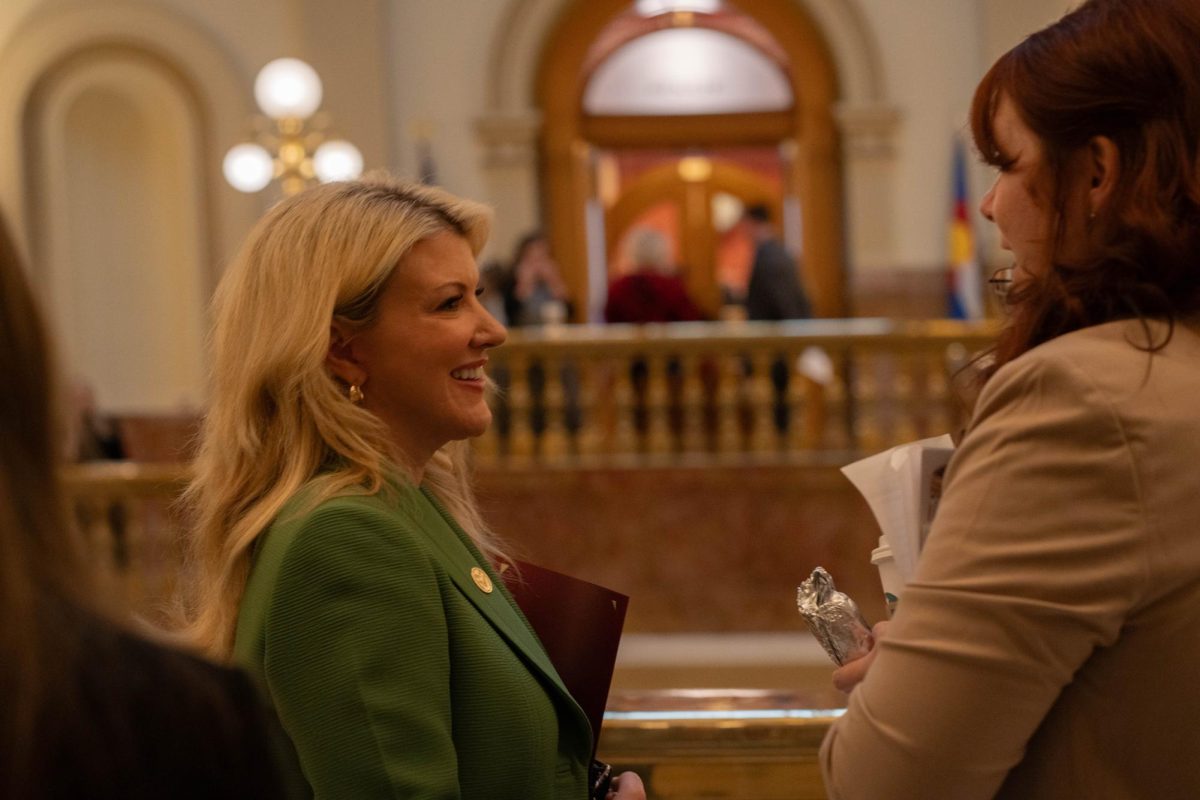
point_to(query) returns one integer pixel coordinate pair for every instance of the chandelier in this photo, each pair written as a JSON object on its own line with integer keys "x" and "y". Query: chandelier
{"x": 291, "y": 143}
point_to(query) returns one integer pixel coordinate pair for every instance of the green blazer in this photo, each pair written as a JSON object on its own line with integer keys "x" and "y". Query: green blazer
{"x": 393, "y": 671}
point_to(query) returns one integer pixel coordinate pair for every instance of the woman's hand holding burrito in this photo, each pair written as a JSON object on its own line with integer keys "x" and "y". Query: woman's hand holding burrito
{"x": 846, "y": 677}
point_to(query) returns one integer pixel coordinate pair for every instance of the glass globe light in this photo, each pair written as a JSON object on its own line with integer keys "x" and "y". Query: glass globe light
{"x": 288, "y": 88}
{"x": 248, "y": 167}
{"x": 337, "y": 160}
{"x": 726, "y": 211}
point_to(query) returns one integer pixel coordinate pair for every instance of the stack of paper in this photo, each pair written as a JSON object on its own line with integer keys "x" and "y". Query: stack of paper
{"x": 902, "y": 487}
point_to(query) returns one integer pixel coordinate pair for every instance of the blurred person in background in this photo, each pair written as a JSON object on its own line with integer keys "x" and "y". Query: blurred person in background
{"x": 538, "y": 294}
{"x": 774, "y": 292}
{"x": 652, "y": 291}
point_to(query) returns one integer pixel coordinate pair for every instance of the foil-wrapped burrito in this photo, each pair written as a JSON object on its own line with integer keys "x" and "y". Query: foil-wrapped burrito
{"x": 833, "y": 618}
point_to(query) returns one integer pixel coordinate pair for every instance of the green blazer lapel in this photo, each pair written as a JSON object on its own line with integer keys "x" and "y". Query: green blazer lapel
{"x": 460, "y": 556}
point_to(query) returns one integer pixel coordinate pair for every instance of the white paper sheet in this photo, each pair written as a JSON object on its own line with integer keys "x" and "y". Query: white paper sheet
{"x": 893, "y": 485}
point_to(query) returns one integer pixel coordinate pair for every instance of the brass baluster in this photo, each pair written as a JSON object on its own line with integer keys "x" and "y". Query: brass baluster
{"x": 521, "y": 441}
{"x": 558, "y": 386}
{"x": 921, "y": 411}
{"x": 601, "y": 432}
{"x": 626, "y": 436}
{"x": 657, "y": 404}
{"x": 798, "y": 435}
{"x": 731, "y": 375}
{"x": 763, "y": 422}
{"x": 869, "y": 400}
{"x": 938, "y": 389}
{"x": 692, "y": 401}
{"x": 588, "y": 439}
{"x": 905, "y": 424}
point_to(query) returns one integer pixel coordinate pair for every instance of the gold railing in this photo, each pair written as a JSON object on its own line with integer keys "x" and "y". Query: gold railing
{"x": 608, "y": 396}
{"x": 126, "y": 512}
{"x": 721, "y": 743}
{"x": 685, "y": 394}
{"x": 706, "y": 392}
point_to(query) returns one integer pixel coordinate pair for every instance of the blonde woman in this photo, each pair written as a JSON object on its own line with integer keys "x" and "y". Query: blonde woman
{"x": 340, "y": 556}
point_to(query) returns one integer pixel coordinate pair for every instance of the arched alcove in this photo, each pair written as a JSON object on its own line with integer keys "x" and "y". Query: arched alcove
{"x": 55, "y": 33}
{"x": 115, "y": 156}
{"x": 76, "y": 75}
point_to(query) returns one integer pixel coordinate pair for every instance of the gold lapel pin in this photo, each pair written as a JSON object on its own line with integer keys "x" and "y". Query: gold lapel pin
{"x": 481, "y": 580}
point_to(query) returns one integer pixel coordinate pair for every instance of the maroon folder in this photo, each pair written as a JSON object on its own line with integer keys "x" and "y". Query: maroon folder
{"x": 579, "y": 624}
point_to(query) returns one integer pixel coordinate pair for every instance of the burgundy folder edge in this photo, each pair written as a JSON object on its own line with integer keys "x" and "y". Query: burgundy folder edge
{"x": 579, "y": 624}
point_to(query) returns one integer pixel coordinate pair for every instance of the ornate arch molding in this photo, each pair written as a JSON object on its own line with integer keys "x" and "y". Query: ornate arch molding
{"x": 697, "y": 245}
{"x": 509, "y": 131}
{"x": 51, "y": 39}
{"x": 521, "y": 37}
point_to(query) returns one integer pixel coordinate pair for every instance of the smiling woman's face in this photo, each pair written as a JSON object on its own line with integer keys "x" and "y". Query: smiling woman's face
{"x": 422, "y": 359}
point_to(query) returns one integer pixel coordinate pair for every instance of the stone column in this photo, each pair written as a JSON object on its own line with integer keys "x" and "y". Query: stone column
{"x": 509, "y": 162}
{"x": 868, "y": 146}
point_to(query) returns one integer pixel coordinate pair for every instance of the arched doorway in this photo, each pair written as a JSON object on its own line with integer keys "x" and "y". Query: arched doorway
{"x": 691, "y": 201}
{"x": 117, "y": 194}
{"x": 803, "y": 138}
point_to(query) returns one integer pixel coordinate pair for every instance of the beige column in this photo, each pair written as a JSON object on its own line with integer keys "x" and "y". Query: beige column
{"x": 509, "y": 163}
{"x": 868, "y": 146}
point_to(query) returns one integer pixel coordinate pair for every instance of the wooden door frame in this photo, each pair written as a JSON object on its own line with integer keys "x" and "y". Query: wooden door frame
{"x": 697, "y": 244}
{"x": 814, "y": 172}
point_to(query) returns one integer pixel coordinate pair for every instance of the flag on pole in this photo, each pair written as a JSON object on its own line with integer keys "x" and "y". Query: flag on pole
{"x": 964, "y": 288}
{"x": 422, "y": 135}
{"x": 425, "y": 163}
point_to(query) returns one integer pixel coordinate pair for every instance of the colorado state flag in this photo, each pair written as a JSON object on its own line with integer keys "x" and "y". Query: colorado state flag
{"x": 963, "y": 284}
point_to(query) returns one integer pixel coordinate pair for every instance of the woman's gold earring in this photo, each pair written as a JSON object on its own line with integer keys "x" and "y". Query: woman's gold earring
{"x": 356, "y": 395}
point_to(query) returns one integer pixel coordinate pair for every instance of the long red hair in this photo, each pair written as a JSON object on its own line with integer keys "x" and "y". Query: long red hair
{"x": 1128, "y": 70}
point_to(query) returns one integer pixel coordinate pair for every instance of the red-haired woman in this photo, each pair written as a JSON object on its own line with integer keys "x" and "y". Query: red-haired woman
{"x": 1047, "y": 645}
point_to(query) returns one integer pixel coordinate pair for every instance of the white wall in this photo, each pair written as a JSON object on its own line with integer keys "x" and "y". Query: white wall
{"x": 253, "y": 32}
{"x": 439, "y": 54}
{"x": 1007, "y": 22}
{"x": 931, "y": 63}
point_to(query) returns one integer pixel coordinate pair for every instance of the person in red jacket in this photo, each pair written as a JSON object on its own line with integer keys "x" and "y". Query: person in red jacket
{"x": 653, "y": 291}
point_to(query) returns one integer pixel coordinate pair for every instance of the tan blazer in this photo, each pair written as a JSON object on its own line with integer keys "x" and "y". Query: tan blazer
{"x": 1049, "y": 644}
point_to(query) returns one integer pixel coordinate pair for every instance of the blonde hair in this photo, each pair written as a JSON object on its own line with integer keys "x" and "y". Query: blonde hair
{"x": 278, "y": 419}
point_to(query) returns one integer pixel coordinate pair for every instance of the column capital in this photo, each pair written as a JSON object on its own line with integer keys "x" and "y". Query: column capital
{"x": 868, "y": 131}
{"x": 509, "y": 139}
